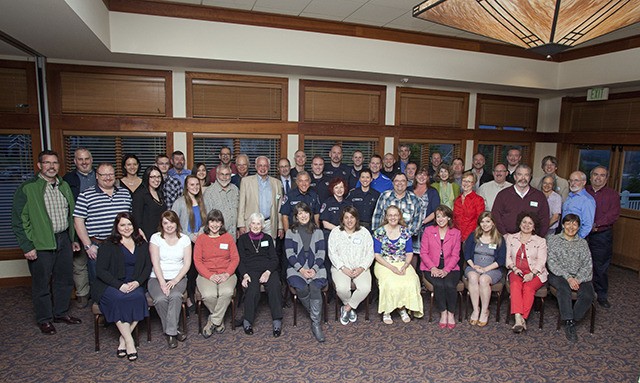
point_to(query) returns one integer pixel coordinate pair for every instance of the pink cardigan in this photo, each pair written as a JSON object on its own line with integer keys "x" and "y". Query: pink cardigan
{"x": 430, "y": 249}
{"x": 536, "y": 249}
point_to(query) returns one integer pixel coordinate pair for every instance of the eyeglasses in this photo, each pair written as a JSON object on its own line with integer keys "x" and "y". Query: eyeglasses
{"x": 106, "y": 175}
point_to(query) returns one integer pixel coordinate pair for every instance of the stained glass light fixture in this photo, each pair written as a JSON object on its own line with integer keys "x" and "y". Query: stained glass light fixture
{"x": 543, "y": 26}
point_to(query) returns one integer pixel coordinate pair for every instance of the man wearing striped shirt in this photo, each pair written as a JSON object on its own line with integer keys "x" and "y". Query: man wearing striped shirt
{"x": 95, "y": 211}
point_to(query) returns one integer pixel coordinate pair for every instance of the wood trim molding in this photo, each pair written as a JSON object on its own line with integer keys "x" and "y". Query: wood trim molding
{"x": 15, "y": 282}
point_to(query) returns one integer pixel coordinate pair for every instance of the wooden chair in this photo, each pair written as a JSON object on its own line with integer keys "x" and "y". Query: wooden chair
{"x": 574, "y": 298}
{"x": 459, "y": 289}
{"x": 496, "y": 289}
{"x": 183, "y": 314}
{"x": 540, "y": 295}
{"x": 200, "y": 303}
{"x": 97, "y": 316}
{"x": 294, "y": 298}
{"x": 337, "y": 303}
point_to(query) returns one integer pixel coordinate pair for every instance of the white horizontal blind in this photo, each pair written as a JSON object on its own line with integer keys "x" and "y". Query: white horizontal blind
{"x": 16, "y": 166}
{"x": 111, "y": 149}
{"x": 313, "y": 147}
{"x": 207, "y": 148}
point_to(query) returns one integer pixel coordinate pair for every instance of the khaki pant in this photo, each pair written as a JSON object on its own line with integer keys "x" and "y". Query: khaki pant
{"x": 80, "y": 273}
{"x": 216, "y": 296}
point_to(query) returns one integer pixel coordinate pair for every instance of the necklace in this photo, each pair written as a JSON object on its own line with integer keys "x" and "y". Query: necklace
{"x": 256, "y": 246}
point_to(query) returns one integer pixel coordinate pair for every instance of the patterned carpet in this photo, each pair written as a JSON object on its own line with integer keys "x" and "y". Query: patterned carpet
{"x": 362, "y": 352}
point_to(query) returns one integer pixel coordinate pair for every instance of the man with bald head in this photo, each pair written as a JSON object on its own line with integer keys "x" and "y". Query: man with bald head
{"x": 580, "y": 203}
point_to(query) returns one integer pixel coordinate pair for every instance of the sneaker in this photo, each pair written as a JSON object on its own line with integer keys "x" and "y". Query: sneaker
{"x": 570, "y": 331}
{"x": 207, "y": 331}
{"x": 344, "y": 316}
{"x": 386, "y": 318}
{"x": 353, "y": 316}
{"x": 405, "y": 317}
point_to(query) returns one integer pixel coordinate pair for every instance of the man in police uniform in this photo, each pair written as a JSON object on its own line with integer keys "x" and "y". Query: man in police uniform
{"x": 302, "y": 193}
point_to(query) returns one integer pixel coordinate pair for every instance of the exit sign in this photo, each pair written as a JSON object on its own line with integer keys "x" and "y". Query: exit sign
{"x": 597, "y": 94}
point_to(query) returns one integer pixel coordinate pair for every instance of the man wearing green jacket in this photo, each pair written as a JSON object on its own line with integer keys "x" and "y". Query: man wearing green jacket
{"x": 42, "y": 220}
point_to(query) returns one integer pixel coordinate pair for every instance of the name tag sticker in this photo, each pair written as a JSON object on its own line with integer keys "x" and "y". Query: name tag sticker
{"x": 357, "y": 241}
{"x": 264, "y": 244}
{"x": 493, "y": 246}
{"x": 224, "y": 246}
{"x": 533, "y": 204}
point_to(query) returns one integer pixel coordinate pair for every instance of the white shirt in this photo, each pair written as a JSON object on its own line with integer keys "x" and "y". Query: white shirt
{"x": 171, "y": 257}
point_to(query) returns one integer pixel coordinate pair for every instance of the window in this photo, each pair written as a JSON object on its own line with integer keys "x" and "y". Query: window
{"x": 343, "y": 103}
{"x": 630, "y": 186}
{"x": 497, "y": 152}
{"x": 234, "y": 97}
{"x": 322, "y": 147}
{"x": 506, "y": 113}
{"x": 589, "y": 158}
{"x": 16, "y": 166}
{"x": 431, "y": 108}
{"x": 111, "y": 149}
{"x": 206, "y": 148}
{"x": 421, "y": 152}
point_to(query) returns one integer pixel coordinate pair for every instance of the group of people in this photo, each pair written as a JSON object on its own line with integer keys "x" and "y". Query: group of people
{"x": 173, "y": 232}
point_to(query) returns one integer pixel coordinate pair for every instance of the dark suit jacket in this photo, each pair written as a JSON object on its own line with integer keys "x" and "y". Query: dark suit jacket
{"x": 486, "y": 176}
{"x": 110, "y": 268}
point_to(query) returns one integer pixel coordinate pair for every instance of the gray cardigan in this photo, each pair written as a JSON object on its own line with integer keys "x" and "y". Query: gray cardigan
{"x": 569, "y": 258}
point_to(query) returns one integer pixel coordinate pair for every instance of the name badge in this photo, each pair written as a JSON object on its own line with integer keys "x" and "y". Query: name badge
{"x": 224, "y": 246}
{"x": 493, "y": 246}
{"x": 357, "y": 241}
{"x": 264, "y": 244}
{"x": 533, "y": 204}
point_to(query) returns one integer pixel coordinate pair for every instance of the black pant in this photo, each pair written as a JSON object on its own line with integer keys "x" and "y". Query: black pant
{"x": 601, "y": 246}
{"x": 444, "y": 290}
{"x": 192, "y": 275}
{"x": 55, "y": 266}
{"x": 252, "y": 296}
{"x": 585, "y": 297}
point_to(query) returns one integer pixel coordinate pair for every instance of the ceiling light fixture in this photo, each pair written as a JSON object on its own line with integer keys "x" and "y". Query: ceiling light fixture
{"x": 543, "y": 26}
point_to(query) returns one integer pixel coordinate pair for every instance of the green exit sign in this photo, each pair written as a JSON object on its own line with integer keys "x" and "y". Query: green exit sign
{"x": 598, "y": 94}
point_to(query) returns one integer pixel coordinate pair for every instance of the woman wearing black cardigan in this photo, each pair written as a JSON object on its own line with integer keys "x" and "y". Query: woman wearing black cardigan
{"x": 259, "y": 266}
{"x": 122, "y": 269}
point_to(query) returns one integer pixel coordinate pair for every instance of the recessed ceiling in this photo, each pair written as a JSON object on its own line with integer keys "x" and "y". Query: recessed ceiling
{"x": 396, "y": 14}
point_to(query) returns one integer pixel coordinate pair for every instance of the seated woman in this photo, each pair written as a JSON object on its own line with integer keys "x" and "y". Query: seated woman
{"x": 397, "y": 280}
{"x": 305, "y": 249}
{"x": 170, "y": 252}
{"x": 216, "y": 258}
{"x": 439, "y": 256}
{"x": 571, "y": 269}
{"x": 259, "y": 266}
{"x": 484, "y": 253}
{"x": 122, "y": 270}
{"x": 351, "y": 253}
{"x": 526, "y": 258}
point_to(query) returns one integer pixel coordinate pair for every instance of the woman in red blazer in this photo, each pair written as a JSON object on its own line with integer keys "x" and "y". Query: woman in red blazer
{"x": 439, "y": 255}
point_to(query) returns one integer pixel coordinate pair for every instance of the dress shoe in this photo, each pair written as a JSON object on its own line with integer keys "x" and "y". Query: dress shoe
{"x": 451, "y": 326}
{"x": 172, "y": 341}
{"x": 181, "y": 336}
{"x": 82, "y": 302}
{"x": 132, "y": 357}
{"x": 121, "y": 353}
{"x": 67, "y": 319}
{"x": 605, "y": 303}
{"x": 277, "y": 332}
{"x": 47, "y": 328}
{"x": 248, "y": 330}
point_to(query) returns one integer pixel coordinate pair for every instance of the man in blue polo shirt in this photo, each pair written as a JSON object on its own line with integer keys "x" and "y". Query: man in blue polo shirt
{"x": 300, "y": 194}
{"x": 95, "y": 211}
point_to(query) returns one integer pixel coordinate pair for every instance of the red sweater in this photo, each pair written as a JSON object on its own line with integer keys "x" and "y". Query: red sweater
{"x": 465, "y": 214}
{"x": 215, "y": 255}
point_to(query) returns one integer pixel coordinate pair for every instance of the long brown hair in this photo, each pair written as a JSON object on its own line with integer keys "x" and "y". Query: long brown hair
{"x": 496, "y": 237}
{"x": 189, "y": 202}
{"x": 170, "y": 216}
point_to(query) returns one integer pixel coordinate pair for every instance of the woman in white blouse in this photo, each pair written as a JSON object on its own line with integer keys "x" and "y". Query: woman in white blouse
{"x": 170, "y": 252}
{"x": 351, "y": 253}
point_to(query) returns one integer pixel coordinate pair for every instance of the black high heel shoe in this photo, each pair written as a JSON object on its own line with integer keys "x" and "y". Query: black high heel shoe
{"x": 248, "y": 330}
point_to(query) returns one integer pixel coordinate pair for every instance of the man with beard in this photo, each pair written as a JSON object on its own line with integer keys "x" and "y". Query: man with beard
{"x": 519, "y": 198}
{"x": 178, "y": 171}
{"x": 223, "y": 195}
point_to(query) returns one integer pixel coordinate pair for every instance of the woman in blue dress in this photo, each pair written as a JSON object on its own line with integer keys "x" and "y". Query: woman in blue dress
{"x": 122, "y": 269}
